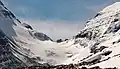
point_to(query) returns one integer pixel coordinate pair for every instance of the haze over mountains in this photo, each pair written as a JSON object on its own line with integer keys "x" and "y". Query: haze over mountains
{"x": 97, "y": 44}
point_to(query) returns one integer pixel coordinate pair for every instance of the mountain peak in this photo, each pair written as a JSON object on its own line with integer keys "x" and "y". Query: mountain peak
{"x": 115, "y": 7}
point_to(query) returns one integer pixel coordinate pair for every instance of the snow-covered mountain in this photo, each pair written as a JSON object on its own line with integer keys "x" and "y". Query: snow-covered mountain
{"x": 95, "y": 45}
{"x": 25, "y": 45}
{"x": 17, "y": 39}
{"x": 99, "y": 41}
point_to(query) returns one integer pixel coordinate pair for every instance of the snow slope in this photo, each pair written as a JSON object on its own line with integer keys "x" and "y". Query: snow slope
{"x": 32, "y": 46}
{"x": 99, "y": 41}
{"x": 95, "y": 45}
{"x": 28, "y": 45}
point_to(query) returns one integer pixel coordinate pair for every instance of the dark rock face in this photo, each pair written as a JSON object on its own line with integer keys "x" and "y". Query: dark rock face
{"x": 65, "y": 39}
{"x": 81, "y": 35}
{"x": 27, "y": 26}
{"x": 7, "y": 58}
{"x": 98, "y": 14}
{"x": 94, "y": 49}
{"x": 60, "y": 67}
{"x": 85, "y": 34}
{"x": 115, "y": 20}
{"x": 59, "y": 40}
{"x": 10, "y": 53}
{"x": 107, "y": 53}
{"x": 70, "y": 66}
{"x": 42, "y": 36}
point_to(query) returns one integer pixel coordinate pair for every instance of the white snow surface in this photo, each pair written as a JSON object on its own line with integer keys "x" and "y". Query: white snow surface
{"x": 102, "y": 30}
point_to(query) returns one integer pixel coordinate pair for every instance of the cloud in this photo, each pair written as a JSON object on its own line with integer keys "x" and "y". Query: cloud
{"x": 56, "y": 29}
{"x": 71, "y": 14}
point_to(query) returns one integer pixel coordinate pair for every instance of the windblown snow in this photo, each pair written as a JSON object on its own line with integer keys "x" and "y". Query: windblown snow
{"x": 97, "y": 44}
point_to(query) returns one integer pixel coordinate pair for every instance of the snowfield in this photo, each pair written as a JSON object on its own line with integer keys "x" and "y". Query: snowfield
{"x": 97, "y": 44}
